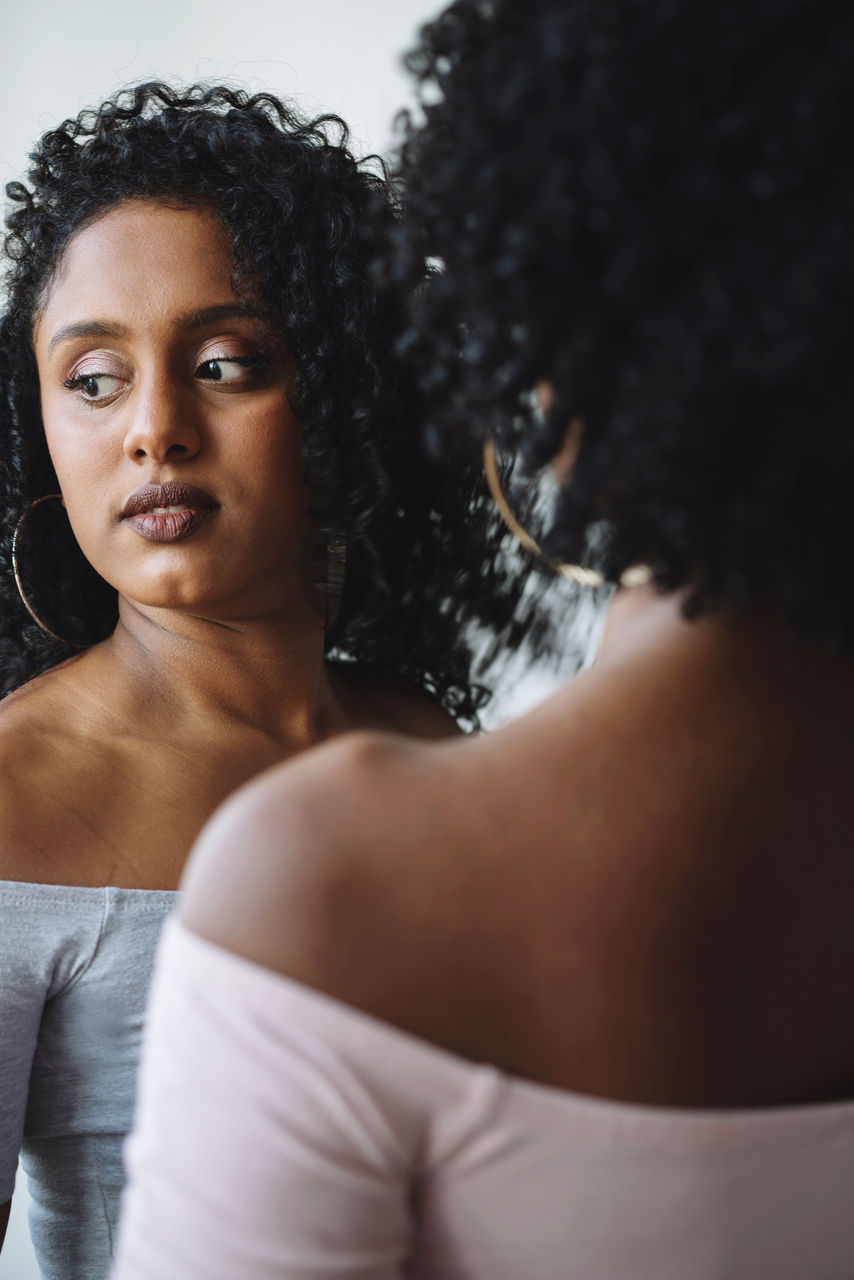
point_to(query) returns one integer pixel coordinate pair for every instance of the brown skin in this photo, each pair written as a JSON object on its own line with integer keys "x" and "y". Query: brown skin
{"x": 111, "y": 762}
{"x": 640, "y": 891}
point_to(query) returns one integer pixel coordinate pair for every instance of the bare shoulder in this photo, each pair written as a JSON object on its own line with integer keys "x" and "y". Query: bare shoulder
{"x": 375, "y": 867}
{"x": 583, "y": 859}
{"x": 27, "y": 842}
{"x": 41, "y": 767}
{"x": 299, "y": 844}
{"x": 41, "y": 706}
{"x": 301, "y": 855}
{"x": 27, "y": 758}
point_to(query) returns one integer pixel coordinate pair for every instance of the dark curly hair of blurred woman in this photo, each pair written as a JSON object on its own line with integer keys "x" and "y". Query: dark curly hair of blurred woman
{"x": 295, "y": 202}
{"x": 649, "y": 205}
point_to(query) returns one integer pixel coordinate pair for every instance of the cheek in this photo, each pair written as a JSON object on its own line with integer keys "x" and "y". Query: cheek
{"x": 81, "y": 474}
{"x": 79, "y": 467}
{"x": 273, "y": 454}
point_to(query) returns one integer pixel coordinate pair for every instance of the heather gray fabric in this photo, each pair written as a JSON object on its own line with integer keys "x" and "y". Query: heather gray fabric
{"x": 75, "y": 965}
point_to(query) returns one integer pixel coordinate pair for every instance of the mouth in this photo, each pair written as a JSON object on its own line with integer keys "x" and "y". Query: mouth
{"x": 168, "y": 512}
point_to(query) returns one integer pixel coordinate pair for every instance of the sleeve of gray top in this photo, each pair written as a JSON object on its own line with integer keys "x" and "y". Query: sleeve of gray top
{"x": 22, "y": 996}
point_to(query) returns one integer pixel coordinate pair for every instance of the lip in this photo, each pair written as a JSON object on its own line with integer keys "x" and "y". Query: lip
{"x": 194, "y": 508}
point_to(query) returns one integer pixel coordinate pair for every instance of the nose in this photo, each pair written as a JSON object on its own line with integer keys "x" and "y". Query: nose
{"x": 162, "y": 426}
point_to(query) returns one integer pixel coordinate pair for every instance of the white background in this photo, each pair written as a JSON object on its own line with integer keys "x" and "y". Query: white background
{"x": 57, "y": 57}
{"x": 338, "y": 55}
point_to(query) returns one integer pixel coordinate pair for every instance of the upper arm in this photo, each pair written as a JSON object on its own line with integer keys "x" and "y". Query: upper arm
{"x": 5, "y": 1210}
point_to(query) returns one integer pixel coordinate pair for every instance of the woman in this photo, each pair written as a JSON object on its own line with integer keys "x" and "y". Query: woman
{"x": 199, "y": 395}
{"x": 573, "y": 999}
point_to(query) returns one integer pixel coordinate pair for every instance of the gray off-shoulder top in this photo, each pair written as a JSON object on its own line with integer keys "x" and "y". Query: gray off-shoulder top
{"x": 75, "y": 965}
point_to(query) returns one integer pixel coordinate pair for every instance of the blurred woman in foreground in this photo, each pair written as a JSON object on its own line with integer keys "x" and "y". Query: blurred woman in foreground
{"x": 573, "y": 999}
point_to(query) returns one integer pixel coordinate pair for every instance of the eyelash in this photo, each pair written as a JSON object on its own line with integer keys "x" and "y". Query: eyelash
{"x": 258, "y": 363}
{"x": 74, "y": 383}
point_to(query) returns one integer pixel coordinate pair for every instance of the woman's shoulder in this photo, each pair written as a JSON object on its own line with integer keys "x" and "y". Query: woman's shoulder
{"x": 390, "y": 816}
{"x": 378, "y": 834}
{"x": 582, "y": 859}
{"x": 41, "y": 702}
{"x": 48, "y": 774}
{"x": 30, "y": 731}
{"x": 322, "y": 835}
{"x": 28, "y": 769}
{"x": 466, "y": 892}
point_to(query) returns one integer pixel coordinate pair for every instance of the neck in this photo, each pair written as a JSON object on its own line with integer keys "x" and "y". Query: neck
{"x": 751, "y": 647}
{"x": 635, "y": 615}
{"x": 200, "y": 674}
{"x": 644, "y": 623}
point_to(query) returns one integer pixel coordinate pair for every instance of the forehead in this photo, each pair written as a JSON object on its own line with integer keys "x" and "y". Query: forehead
{"x": 141, "y": 260}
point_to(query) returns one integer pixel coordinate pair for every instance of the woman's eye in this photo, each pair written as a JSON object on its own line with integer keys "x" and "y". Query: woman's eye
{"x": 94, "y": 386}
{"x": 230, "y": 368}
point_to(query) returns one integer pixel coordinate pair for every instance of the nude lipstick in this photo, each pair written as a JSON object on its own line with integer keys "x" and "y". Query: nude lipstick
{"x": 168, "y": 512}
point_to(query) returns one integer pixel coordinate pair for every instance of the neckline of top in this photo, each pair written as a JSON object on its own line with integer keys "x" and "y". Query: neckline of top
{"x": 200, "y": 957}
{"x": 99, "y": 890}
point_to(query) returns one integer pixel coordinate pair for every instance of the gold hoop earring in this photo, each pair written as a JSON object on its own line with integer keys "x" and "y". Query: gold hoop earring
{"x": 635, "y": 576}
{"x": 16, "y": 571}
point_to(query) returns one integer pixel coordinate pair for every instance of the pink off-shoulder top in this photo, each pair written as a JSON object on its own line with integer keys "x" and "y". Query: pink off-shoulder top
{"x": 280, "y": 1133}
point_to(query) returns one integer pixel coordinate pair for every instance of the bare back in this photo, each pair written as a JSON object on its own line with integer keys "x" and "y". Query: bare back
{"x": 643, "y": 890}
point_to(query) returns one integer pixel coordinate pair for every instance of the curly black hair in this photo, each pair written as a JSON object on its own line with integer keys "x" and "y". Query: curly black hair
{"x": 295, "y": 203}
{"x": 649, "y": 204}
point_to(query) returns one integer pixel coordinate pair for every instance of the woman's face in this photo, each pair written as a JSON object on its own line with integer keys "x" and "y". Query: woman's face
{"x": 164, "y": 399}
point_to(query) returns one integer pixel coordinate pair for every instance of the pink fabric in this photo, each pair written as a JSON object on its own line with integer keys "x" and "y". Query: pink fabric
{"x": 282, "y": 1134}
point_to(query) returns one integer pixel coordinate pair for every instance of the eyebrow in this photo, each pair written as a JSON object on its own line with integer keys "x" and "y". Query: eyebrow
{"x": 86, "y": 329}
{"x": 222, "y": 311}
{"x": 198, "y": 319}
